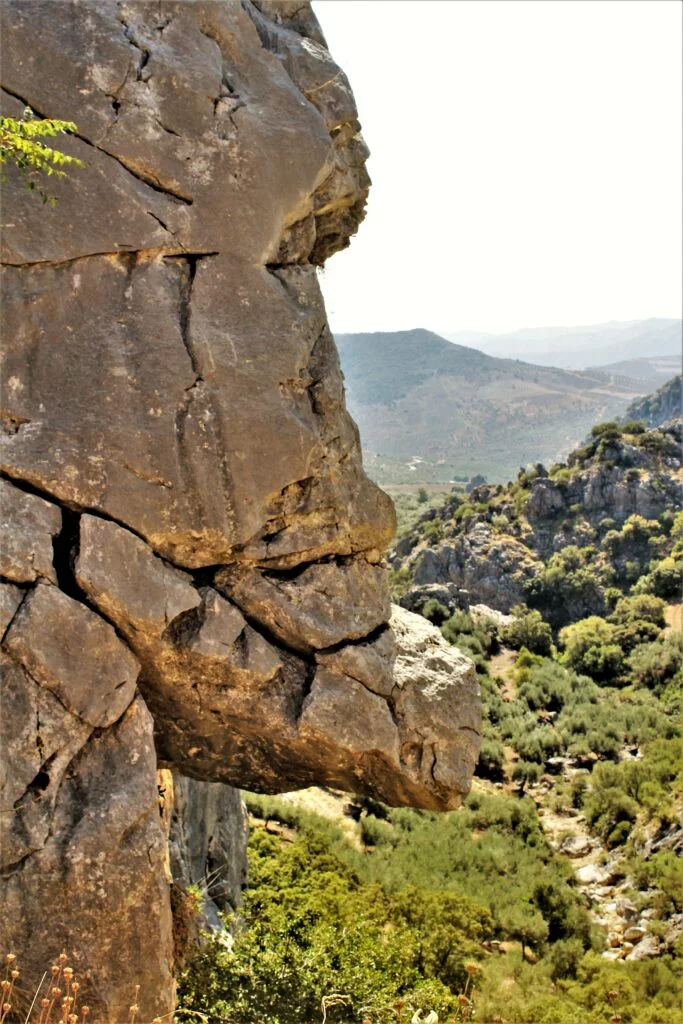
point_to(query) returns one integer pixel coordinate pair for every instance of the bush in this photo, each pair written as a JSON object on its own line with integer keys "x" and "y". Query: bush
{"x": 476, "y": 639}
{"x": 527, "y": 773}
{"x": 491, "y": 759}
{"x": 633, "y": 427}
{"x": 641, "y": 607}
{"x": 400, "y": 581}
{"x": 570, "y": 586}
{"x": 436, "y": 612}
{"x": 309, "y": 927}
{"x": 608, "y": 806}
{"x": 610, "y": 431}
{"x": 590, "y": 648}
{"x": 528, "y": 630}
{"x": 619, "y": 791}
{"x": 655, "y": 664}
{"x": 663, "y": 579}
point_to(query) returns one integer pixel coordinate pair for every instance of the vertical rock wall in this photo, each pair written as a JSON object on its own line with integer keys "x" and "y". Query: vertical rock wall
{"x": 190, "y": 573}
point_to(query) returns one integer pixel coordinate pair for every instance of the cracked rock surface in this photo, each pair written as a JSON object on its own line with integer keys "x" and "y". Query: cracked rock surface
{"x": 190, "y": 570}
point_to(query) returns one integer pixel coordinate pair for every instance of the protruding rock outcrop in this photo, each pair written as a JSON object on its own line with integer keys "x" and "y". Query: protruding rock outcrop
{"x": 492, "y": 545}
{"x": 193, "y": 551}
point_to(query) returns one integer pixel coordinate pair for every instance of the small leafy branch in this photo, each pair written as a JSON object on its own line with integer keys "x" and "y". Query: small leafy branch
{"x": 20, "y": 145}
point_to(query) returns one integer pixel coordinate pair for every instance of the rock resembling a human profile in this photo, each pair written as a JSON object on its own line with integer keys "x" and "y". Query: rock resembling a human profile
{"x": 191, "y": 570}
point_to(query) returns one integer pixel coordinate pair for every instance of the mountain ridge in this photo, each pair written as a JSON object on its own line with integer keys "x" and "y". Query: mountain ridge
{"x": 420, "y": 400}
{"x": 588, "y": 345}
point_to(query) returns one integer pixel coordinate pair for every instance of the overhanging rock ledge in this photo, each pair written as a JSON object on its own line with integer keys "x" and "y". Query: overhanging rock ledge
{"x": 192, "y": 573}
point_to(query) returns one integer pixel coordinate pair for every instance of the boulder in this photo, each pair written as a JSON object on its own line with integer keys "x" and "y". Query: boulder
{"x": 493, "y": 569}
{"x": 647, "y": 948}
{"x": 626, "y": 909}
{"x": 576, "y": 846}
{"x": 592, "y": 874}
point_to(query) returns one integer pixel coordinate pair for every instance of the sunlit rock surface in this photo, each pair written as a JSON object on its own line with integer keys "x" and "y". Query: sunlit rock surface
{"x": 191, "y": 556}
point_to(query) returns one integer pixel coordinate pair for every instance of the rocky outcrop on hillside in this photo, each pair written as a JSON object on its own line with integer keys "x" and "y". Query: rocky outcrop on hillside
{"x": 489, "y": 547}
{"x": 664, "y": 407}
{"x": 490, "y": 569}
{"x": 191, "y": 577}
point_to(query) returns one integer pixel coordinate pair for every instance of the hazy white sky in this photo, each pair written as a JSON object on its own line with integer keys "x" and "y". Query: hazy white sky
{"x": 526, "y": 162}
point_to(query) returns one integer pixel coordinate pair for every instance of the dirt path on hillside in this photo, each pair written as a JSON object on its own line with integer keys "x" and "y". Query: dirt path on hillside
{"x": 502, "y": 665}
{"x": 674, "y": 618}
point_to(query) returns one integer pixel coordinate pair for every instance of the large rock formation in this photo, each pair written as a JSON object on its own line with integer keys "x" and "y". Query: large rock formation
{"x": 490, "y": 547}
{"x": 191, "y": 570}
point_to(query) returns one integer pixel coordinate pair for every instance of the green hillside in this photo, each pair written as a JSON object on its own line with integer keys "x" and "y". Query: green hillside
{"x": 555, "y": 895}
{"x": 431, "y": 411}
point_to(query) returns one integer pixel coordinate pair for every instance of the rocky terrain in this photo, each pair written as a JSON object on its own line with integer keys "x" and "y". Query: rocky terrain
{"x": 492, "y": 545}
{"x": 191, "y": 560}
{"x": 660, "y": 408}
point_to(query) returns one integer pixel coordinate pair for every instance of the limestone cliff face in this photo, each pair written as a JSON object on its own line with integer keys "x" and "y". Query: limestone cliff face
{"x": 191, "y": 558}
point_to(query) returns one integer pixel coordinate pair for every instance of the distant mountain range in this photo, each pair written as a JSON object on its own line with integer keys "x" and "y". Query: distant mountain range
{"x": 433, "y": 411}
{"x": 652, "y": 373}
{"x": 581, "y": 347}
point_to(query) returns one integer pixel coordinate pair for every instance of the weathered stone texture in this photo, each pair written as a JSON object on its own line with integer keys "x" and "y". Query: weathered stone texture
{"x": 207, "y": 843}
{"x": 74, "y": 654}
{"x": 191, "y": 549}
{"x": 89, "y": 877}
{"x": 27, "y": 526}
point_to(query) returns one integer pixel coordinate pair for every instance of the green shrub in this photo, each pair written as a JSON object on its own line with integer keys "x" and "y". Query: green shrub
{"x": 310, "y": 927}
{"x": 608, "y": 806}
{"x": 528, "y": 630}
{"x": 491, "y": 758}
{"x": 433, "y": 531}
{"x": 476, "y": 639}
{"x": 640, "y": 607}
{"x": 590, "y": 648}
{"x": 655, "y": 664}
{"x": 663, "y": 579}
{"x": 436, "y": 612}
{"x": 400, "y": 581}
{"x": 527, "y": 773}
{"x": 571, "y": 585}
{"x": 634, "y": 427}
{"x": 610, "y": 431}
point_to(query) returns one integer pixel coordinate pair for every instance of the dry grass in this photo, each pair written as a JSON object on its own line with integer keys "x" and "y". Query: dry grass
{"x": 57, "y": 999}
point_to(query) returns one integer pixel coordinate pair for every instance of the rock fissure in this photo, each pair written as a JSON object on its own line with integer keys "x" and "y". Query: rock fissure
{"x": 28, "y": 487}
{"x": 45, "y": 264}
{"x": 129, "y": 34}
{"x": 147, "y": 179}
{"x": 206, "y": 592}
{"x": 188, "y": 264}
{"x": 7, "y": 622}
{"x": 65, "y": 546}
{"x": 38, "y": 783}
{"x": 369, "y": 638}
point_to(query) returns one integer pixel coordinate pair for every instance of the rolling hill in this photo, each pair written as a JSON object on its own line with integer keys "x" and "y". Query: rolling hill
{"x": 651, "y": 371}
{"x": 593, "y": 345}
{"x": 433, "y": 411}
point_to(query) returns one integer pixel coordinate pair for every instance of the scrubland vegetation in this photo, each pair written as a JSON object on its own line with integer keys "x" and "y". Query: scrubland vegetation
{"x": 478, "y": 914}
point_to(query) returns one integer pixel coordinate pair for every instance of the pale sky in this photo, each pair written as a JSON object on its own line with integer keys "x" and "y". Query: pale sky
{"x": 526, "y": 162}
